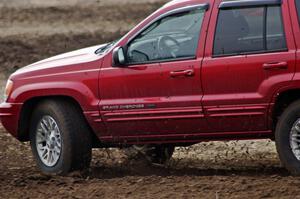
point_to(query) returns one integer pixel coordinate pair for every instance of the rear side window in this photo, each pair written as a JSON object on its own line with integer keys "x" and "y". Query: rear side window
{"x": 249, "y": 30}
{"x": 298, "y": 8}
{"x": 275, "y": 33}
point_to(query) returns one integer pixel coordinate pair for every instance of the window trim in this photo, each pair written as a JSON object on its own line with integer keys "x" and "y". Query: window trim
{"x": 248, "y": 3}
{"x": 204, "y": 7}
{"x": 264, "y": 33}
{"x": 161, "y": 61}
{"x": 251, "y": 53}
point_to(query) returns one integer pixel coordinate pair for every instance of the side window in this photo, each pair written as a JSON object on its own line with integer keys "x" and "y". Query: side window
{"x": 173, "y": 37}
{"x": 298, "y": 9}
{"x": 249, "y": 30}
{"x": 275, "y": 33}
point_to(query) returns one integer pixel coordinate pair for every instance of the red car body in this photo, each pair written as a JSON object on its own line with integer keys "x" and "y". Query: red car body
{"x": 182, "y": 102}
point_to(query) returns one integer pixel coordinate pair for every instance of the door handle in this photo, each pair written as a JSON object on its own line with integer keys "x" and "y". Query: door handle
{"x": 275, "y": 66}
{"x": 187, "y": 73}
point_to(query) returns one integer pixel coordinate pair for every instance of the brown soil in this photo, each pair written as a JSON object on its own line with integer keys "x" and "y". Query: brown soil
{"x": 30, "y": 32}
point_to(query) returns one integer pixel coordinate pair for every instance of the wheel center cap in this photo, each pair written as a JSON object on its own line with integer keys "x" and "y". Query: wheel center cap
{"x": 52, "y": 141}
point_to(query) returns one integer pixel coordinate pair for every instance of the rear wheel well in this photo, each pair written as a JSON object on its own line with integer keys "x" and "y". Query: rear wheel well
{"x": 29, "y": 106}
{"x": 283, "y": 100}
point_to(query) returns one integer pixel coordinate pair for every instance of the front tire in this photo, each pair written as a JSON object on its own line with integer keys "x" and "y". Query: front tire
{"x": 287, "y": 137}
{"x": 60, "y": 138}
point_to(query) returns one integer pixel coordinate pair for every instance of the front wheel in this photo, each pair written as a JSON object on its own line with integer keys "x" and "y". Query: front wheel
{"x": 59, "y": 138}
{"x": 287, "y": 137}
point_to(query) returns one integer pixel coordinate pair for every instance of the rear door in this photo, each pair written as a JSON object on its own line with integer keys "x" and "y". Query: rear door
{"x": 295, "y": 17}
{"x": 248, "y": 59}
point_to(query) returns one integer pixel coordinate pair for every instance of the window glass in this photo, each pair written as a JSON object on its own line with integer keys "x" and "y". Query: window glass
{"x": 275, "y": 33}
{"x": 298, "y": 8}
{"x": 239, "y": 30}
{"x": 172, "y": 37}
{"x": 243, "y": 30}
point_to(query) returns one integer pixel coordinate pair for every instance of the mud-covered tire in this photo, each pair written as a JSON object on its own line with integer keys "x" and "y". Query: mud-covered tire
{"x": 76, "y": 143}
{"x": 282, "y": 138}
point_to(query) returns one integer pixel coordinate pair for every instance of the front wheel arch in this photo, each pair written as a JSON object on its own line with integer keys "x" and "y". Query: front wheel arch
{"x": 27, "y": 110}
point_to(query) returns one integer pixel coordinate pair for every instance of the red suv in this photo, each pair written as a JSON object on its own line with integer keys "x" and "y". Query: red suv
{"x": 193, "y": 71}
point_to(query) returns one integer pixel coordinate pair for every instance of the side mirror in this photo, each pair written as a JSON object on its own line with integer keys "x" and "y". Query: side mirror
{"x": 119, "y": 56}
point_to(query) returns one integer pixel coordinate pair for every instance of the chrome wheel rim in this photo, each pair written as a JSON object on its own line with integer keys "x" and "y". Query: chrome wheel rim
{"x": 48, "y": 141}
{"x": 295, "y": 139}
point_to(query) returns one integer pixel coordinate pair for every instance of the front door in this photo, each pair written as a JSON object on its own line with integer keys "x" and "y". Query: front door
{"x": 158, "y": 93}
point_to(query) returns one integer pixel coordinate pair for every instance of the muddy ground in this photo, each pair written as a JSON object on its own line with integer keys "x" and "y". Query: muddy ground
{"x": 31, "y": 30}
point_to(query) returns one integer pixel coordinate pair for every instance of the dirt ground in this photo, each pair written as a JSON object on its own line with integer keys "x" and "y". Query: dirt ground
{"x": 31, "y": 30}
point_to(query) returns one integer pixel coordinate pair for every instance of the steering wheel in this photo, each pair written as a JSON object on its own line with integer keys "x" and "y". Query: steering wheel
{"x": 164, "y": 49}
